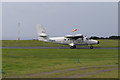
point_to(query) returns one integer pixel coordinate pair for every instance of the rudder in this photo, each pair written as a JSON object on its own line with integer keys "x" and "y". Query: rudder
{"x": 42, "y": 36}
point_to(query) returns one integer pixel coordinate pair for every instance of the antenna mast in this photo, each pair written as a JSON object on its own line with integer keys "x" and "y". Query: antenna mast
{"x": 18, "y": 31}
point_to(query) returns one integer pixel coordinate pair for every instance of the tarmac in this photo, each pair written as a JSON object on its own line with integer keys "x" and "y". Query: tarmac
{"x": 55, "y": 48}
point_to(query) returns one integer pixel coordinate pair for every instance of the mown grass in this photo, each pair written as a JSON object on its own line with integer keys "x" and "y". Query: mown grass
{"x": 22, "y": 62}
{"x": 81, "y": 72}
{"x": 36, "y": 43}
{"x": 108, "y": 43}
{"x": 0, "y": 63}
{"x": 27, "y": 43}
{"x": 106, "y": 75}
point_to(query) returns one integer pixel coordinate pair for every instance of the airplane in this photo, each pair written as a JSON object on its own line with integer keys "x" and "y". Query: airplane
{"x": 71, "y": 40}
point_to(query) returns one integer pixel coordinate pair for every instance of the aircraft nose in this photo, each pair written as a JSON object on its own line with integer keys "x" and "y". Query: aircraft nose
{"x": 98, "y": 42}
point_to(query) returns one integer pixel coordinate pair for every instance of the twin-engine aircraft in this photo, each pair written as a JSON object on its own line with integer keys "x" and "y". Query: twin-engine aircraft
{"x": 71, "y": 40}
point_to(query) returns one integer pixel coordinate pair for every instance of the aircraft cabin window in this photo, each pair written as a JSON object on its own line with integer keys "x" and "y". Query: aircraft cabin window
{"x": 65, "y": 39}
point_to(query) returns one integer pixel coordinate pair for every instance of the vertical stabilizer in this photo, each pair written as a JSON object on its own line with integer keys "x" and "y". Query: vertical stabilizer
{"x": 42, "y": 36}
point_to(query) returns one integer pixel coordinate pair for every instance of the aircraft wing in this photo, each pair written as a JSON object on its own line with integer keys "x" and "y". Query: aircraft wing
{"x": 74, "y": 36}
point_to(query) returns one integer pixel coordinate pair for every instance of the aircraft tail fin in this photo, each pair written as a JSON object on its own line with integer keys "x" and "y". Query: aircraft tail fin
{"x": 42, "y": 36}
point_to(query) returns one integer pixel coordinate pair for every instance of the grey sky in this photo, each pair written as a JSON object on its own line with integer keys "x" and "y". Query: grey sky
{"x": 59, "y": 19}
{"x": 0, "y": 21}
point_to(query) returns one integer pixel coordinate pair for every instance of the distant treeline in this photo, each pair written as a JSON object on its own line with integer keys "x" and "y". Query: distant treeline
{"x": 110, "y": 37}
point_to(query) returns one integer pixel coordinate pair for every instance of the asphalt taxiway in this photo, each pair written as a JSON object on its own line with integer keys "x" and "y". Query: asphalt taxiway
{"x": 55, "y": 48}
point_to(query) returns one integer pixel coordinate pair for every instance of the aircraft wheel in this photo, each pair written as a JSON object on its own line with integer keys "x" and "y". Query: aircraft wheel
{"x": 91, "y": 47}
{"x": 72, "y": 47}
{"x": 75, "y": 46}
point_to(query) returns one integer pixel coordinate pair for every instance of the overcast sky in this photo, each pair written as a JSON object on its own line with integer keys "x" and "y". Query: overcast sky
{"x": 59, "y": 19}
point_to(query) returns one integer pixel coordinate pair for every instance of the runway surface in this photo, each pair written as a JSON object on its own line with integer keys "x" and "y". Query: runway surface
{"x": 54, "y": 48}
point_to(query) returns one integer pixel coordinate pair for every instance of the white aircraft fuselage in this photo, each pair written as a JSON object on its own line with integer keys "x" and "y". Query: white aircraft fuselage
{"x": 71, "y": 40}
{"x": 79, "y": 41}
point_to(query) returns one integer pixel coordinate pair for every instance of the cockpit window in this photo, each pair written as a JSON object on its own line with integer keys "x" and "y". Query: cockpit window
{"x": 87, "y": 38}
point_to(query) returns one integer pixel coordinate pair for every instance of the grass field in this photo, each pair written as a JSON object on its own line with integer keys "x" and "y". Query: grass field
{"x": 59, "y": 63}
{"x": 36, "y": 43}
{"x": 51, "y": 63}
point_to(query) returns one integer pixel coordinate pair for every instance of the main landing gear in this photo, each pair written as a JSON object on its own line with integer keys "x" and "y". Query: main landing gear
{"x": 73, "y": 47}
{"x": 91, "y": 47}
